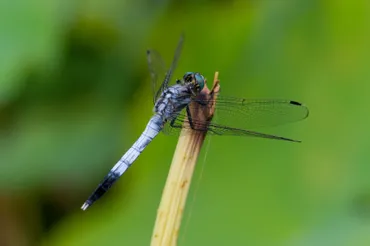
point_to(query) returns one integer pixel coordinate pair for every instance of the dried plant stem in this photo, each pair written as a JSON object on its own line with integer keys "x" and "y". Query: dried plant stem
{"x": 174, "y": 195}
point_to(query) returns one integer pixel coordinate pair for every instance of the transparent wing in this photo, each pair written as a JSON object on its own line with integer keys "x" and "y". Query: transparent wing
{"x": 158, "y": 71}
{"x": 233, "y": 116}
{"x": 216, "y": 129}
{"x": 174, "y": 63}
{"x": 255, "y": 113}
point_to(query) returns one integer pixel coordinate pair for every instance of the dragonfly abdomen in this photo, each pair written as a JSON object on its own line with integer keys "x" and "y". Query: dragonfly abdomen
{"x": 154, "y": 126}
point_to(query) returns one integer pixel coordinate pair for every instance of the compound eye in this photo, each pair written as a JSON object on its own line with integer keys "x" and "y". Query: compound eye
{"x": 199, "y": 79}
{"x": 188, "y": 77}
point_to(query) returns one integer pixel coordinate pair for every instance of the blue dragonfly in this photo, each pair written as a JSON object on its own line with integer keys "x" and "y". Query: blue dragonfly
{"x": 173, "y": 105}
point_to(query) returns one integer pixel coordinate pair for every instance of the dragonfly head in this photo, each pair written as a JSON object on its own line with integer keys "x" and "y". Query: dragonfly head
{"x": 195, "y": 81}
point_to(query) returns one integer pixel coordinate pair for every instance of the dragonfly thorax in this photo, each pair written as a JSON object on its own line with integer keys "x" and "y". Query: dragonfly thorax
{"x": 175, "y": 98}
{"x": 172, "y": 100}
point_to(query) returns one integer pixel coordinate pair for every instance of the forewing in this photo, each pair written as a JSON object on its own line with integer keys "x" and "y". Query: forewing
{"x": 255, "y": 113}
{"x": 235, "y": 116}
{"x": 175, "y": 60}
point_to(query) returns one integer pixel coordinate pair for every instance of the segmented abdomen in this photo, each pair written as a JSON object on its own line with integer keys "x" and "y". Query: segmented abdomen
{"x": 154, "y": 126}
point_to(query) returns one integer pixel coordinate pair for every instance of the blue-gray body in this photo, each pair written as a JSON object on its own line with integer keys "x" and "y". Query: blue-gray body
{"x": 171, "y": 102}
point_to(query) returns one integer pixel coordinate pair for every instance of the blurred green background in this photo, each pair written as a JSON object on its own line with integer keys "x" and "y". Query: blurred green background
{"x": 75, "y": 94}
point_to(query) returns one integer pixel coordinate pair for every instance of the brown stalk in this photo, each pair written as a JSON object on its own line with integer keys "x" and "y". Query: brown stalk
{"x": 175, "y": 192}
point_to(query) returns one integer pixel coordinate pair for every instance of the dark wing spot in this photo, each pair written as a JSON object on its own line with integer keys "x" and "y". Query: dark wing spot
{"x": 295, "y": 103}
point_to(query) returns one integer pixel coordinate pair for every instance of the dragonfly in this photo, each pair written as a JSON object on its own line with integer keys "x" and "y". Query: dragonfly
{"x": 172, "y": 108}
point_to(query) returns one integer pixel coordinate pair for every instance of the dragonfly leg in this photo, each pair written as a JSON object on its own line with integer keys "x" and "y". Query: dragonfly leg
{"x": 202, "y": 103}
{"x": 172, "y": 123}
{"x": 189, "y": 117}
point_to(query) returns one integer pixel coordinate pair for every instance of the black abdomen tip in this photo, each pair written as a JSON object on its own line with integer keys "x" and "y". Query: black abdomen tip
{"x": 101, "y": 189}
